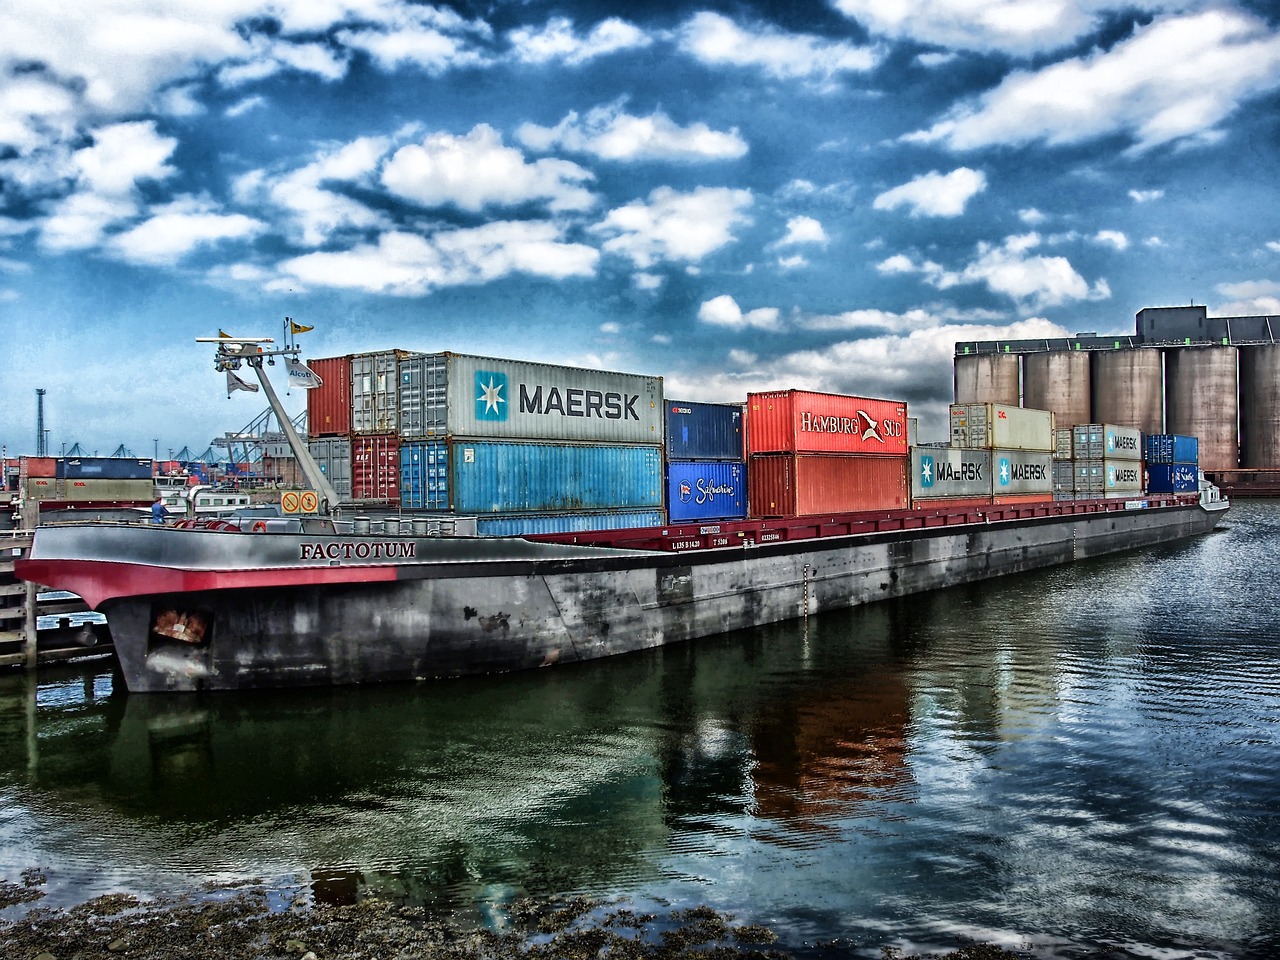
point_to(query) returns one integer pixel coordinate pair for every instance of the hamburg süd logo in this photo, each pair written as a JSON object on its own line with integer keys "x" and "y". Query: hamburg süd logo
{"x": 872, "y": 429}
{"x": 492, "y": 395}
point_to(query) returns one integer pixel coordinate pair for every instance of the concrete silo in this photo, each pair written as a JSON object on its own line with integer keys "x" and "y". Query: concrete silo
{"x": 1058, "y": 381}
{"x": 1128, "y": 388}
{"x": 987, "y": 378}
{"x": 1202, "y": 401}
{"x": 1260, "y": 406}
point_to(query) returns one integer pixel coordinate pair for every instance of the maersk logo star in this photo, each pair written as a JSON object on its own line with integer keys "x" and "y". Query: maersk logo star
{"x": 1004, "y": 472}
{"x": 491, "y": 395}
{"x": 926, "y": 471}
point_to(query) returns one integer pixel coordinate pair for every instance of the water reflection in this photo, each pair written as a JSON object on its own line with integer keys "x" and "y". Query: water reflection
{"x": 1078, "y": 756}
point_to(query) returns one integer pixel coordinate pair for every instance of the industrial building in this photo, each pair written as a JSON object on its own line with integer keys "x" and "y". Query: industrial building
{"x": 1182, "y": 372}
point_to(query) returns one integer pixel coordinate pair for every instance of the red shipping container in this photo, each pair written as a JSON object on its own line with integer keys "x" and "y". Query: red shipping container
{"x": 375, "y": 467}
{"x": 798, "y": 485}
{"x": 798, "y": 421}
{"x": 329, "y": 405}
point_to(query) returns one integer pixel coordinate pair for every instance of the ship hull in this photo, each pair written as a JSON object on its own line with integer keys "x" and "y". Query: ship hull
{"x": 515, "y": 605}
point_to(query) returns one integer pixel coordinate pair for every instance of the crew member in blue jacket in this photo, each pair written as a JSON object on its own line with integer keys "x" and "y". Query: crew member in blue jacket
{"x": 159, "y": 511}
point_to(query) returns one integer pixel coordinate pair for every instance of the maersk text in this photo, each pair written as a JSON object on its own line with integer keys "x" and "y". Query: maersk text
{"x": 580, "y": 403}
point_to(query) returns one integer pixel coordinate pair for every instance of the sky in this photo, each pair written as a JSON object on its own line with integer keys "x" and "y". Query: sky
{"x": 733, "y": 196}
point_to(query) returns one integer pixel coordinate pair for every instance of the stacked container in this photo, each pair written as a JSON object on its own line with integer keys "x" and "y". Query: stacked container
{"x": 813, "y": 453}
{"x": 1172, "y": 463}
{"x": 329, "y": 405}
{"x": 529, "y": 447}
{"x": 706, "y": 471}
{"x": 1021, "y": 443}
{"x": 1108, "y": 460}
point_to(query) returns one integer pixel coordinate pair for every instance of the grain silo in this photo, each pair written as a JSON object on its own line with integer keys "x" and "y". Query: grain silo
{"x": 1260, "y": 406}
{"x": 1128, "y": 388}
{"x": 1202, "y": 401}
{"x": 1058, "y": 381}
{"x": 988, "y": 378}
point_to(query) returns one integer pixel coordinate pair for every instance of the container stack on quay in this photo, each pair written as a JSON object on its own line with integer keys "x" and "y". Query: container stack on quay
{"x": 813, "y": 453}
{"x": 1172, "y": 463}
{"x": 84, "y": 480}
{"x": 706, "y": 470}
{"x": 1000, "y": 454}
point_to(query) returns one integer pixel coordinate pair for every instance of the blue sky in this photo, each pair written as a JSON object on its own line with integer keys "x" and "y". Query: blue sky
{"x": 733, "y": 196}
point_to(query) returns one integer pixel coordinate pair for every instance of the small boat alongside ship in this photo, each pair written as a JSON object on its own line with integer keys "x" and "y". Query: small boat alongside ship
{"x": 309, "y": 600}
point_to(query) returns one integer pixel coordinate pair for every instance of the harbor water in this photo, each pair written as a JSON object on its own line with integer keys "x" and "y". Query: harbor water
{"x": 1081, "y": 761}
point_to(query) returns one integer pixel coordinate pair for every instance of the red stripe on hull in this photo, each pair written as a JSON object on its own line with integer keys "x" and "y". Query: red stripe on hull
{"x": 96, "y": 580}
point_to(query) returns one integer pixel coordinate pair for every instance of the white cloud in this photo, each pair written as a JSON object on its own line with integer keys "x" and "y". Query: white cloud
{"x": 477, "y": 170}
{"x": 675, "y": 226}
{"x": 1031, "y": 216}
{"x": 611, "y": 134}
{"x": 1273, "y": 246}
{"x": 935, "y": 194}
{"x": 1145, "y": 196}
{"x": 174, "y": 230}
{"x": 794, "y": 262}
{"x": 557, "y": 41}
{"x": 718, "y": 41}
{"x": 1153, "y": 242}
{"x": 646, "y": 281}
{"x": 918, "y": 318}
{"x": 723, "y": 311}
{"x": 803, "y": 230}
{"x": 1010, "y": 26}
{"x": 1250, "y": 298}
{"x": 244, "y": 106}
{"x": 1174, "y": 80}
{"x": 1008, "y": 269}
{"x": 1112, "y": 238}
{"x": 405, "y": 264}
{"x": 79, "y": 221}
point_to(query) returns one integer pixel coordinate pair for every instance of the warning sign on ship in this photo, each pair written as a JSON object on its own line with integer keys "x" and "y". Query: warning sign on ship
{"x": 309, "y": 501}
{"x": 290, "y": 502}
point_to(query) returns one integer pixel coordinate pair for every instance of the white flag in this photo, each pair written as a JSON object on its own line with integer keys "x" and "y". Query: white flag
{"x": 234, "y": 383}
{"x": 301, "y": 376}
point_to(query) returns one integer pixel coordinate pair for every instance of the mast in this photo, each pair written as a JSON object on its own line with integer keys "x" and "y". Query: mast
{"x": 234, "y": 351}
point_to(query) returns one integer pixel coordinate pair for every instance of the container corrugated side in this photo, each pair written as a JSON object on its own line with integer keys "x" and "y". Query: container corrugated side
{"x": 1122, "y": 476}
{"x": 1002, "y": 426}
{"x": 706, "y": 490}
{"x": 329, "y": 405}
{"x": 333, "y": 455}
{"x": 375, "y": 404}
{"x": 39, "y": 488}
{"x": 37, "y": 467}
{"x": 1121, "y": 443}
{"x": 483, "y": 476}
{"x": 949, "y": 503}
{"x": 138, "y": 490}
{"x": 1089, "y": 476}
{"x": 1021, "y": 472}
{"x": 1064, "y": 476}
{"x": 801, "y": 421}
{"x": 423, "y": 395}
{"x": 494, "y": 398}
{"x": 1087, "y": 442}
{"x": 1062, "y": 437}
{"x": 514, "y": 526}
{"x": 1171, "y": 448}
{"x": 950, "y": 472}
{"x": 791, "y": 485}
{"x": 704, "y": 431}
{"x": 103, "y": 468}
{"x": 1172, "y": 478}
{"x": 375, "y": 468}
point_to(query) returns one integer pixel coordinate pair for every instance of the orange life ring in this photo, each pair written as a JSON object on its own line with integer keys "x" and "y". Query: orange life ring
{"x": 259, "y": 526}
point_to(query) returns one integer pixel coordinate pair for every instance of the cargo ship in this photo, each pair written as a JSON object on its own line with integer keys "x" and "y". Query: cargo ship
{"x": 320, "y": 599}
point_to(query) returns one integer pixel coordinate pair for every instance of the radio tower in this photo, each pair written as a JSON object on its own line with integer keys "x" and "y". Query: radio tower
{"x": 40, "y": 451}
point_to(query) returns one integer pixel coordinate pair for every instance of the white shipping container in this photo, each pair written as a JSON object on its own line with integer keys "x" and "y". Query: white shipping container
{"x": 1021, "y": 471}
{"x": 1122, "y": 476}
{"x": 375, "y": 405}
{"x": 1001, "y": 426}
{"x": 449, "y": 394}
{"x": 1121, "y": 443}
{"x": 1062, "y": 443}
{"x": 950, "y": 472}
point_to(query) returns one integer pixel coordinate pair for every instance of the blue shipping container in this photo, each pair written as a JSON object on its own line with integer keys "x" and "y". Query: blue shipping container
{"x": 704, "y": 431}
{"x": 511, "y": 476}
{"x": 567, "y": 522}
{"x": 102, "y": 468}
{"x": 711, "y": 490}
{"x": 1171, "y": 448}
{"x": 1172, "y": 478}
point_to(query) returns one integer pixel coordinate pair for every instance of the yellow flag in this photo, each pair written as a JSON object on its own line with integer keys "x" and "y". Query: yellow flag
{"x": 299, "y": 328}
{"x": 223, "y": 334}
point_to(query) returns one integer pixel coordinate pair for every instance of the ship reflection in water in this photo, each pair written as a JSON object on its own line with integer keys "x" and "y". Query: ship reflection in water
{"x": 1074, "y": 759}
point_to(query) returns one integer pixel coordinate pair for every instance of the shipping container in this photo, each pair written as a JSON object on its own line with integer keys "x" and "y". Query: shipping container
{"x": 479, "y": 476}
{"x": 329, "y": 405}
{"x": 103, "y": 468}
{"x": 950, "y": 503}
{"x": 375, "y": 468}
{"x": 456, "y": 395}
{"x": 798, "y": 421}
{"x": 706, "y": 490}
{"x": 791, "y": 485}
{"x": 333, "y": 456}
{"x": 29, "y": 467}
{"x": 375, "y": 404}
{"x": 1062, "y": 443}
{"x": 1106, "y": 441}
{"x": 39, "y": 488}
{"x": 1122, "y": 476}
{"x": 950, "y": 472}
{"x": 519, "y": 526}
{"x": 1173, "y": 478}
{"x": 100, "y": 490}
{"x": 1021, "y": 471}
{"x": 1171, "y": 448}
{"x": 1089, "y": 476}
{"x": 704, "y": 431}
{"x": 987, "y": 426}
{"x": 1010, "y": 499}
{"x": 1064, "y": 476}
